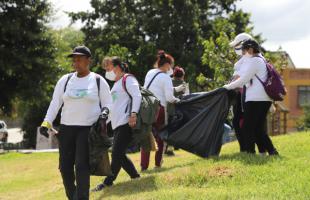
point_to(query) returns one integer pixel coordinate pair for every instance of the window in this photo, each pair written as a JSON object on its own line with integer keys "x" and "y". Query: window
{"x": 303, "y": 95}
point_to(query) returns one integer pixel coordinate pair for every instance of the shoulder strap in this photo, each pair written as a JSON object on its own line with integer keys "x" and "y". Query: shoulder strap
{"x": 124, "y": 84}
{"x": 68, "y": 78}
{"x": 260, "y": 80}
{"x": 148, "y": 86}
{"x": 125, "y": 88}
{"x": 98, "y": 86}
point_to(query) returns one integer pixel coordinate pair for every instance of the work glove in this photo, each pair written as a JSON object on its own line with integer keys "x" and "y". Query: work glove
{"x": 44, "y": 129}
{"x": 104, "y": 113}
{"x": 180, "y": 88}
{"x": 226, "y": 87}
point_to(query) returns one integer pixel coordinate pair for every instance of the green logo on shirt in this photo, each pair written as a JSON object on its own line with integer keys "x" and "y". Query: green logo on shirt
{"x": 114, "y": 96}
{"x": 78, "y": 93}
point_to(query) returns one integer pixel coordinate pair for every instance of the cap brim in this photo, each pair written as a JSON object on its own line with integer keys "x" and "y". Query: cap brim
{"x": 79, "y": 54}
{"x": 233, "y": 43}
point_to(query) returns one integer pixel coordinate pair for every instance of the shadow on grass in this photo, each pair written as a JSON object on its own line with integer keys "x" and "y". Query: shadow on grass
{"x": 164, "y": 168}
{"x": 143, "y": 184}
{"x": 248, "y": 159}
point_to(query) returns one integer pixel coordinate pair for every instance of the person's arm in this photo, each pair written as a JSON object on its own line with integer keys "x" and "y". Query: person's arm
{"x": 56, "y": 102}
{"x": 246, "y": 75}
{"x": 168, "y": 90}
{"x": 105, "y": 94}
{"x": 235, "y": 77}
{"x": 132, "y": 87}
{"x": 187, "y": 92}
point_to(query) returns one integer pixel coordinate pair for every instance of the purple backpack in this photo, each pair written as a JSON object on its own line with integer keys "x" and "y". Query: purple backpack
{"x": 274, "y": 85}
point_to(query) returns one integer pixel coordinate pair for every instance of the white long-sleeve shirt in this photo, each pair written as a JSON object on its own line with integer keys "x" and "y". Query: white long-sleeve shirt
{"x": 80, "y": 101}
{"x": 161, "y": 87}
{"x": 248, "y": 69}
{"x": 120, "y": 109}
{"x": 238, "y": 64}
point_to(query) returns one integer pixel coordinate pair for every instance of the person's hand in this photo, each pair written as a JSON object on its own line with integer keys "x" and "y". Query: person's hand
{"x": 180, "y": 88}
{"x": 177, "y": 100}
{"x": 226, "y": 87}
{"x": 44, "y": 129}
{"x": 132, "y": 120}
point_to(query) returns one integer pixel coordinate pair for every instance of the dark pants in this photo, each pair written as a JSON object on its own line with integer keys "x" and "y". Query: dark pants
{"x": 121, "y": 141}
{"x": 145, "y": 155}
{"x": 254, "y": 128}
{"x": 157, "y": 126}
{"x": 237, "y": 124}
{"x": 238, "y": 114}
{"x": 73, "y": 152}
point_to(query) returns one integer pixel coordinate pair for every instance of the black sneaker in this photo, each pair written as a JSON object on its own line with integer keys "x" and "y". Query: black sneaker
{"x": 99, "y": 187}
{"x": 274, "y": 153}
{"x": 136, "y": 176}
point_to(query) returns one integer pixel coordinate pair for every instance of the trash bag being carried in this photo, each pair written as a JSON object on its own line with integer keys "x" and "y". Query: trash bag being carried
{"x": 197, "y": 125}
{"x": 99, "y": 143}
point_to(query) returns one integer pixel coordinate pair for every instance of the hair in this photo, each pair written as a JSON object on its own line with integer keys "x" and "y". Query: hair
{"x": 116, "y": 61}
{"x": 163, "y": 58}
{"x": 246, "y": 45}
{"x": 178, "y": 72}
{"x": 106, "y": 60}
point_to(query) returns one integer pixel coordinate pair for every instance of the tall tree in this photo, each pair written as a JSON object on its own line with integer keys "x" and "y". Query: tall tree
{"x": 143, "y": 27}
{"x": 26, "y": 51}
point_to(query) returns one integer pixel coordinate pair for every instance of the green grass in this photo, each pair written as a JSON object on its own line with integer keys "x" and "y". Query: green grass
{"x": 185, "y": 176}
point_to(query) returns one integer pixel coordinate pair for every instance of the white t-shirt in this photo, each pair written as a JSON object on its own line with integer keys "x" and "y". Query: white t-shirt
{"x": 161, "y": 87}
{"x": 80, "y": 101}
{"x": 120, "y": 109}
{"x": 248, "y": 69}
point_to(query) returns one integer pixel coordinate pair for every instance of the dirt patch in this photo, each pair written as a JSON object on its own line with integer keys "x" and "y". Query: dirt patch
{"x": 221, "y": 171}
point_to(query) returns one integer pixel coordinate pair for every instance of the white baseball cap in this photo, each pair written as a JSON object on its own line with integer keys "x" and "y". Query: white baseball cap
{"x": 239, "y": 39}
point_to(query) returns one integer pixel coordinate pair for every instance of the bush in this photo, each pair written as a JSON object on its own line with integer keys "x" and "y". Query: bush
{"x": 304, "y": 121}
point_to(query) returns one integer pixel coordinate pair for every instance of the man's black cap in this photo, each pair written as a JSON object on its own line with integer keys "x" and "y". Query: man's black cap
{"x": 80, "y": 50}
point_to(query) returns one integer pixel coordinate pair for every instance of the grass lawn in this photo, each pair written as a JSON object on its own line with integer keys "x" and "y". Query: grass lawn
{"x": 184, "y": 176}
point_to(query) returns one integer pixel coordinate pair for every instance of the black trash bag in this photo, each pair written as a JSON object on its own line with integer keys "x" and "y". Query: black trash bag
{"x": 198, "y": 123}
{"x": 99, "y": 143}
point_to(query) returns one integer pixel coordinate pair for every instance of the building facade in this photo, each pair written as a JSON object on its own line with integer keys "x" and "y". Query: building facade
{"x": 297, "y": 82}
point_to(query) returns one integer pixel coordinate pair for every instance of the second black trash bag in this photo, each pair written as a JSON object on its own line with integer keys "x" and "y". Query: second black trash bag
{"x": 198, "y": 123}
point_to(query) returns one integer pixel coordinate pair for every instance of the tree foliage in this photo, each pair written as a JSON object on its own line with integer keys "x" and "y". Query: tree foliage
{"x": 64, "y": 41}
{"x": 27, "y": 65}
{"x": 26, "y": 51}
{"x": 142, "y": 27}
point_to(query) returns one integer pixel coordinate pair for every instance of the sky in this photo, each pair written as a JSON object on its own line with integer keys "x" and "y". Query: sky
{"x": 282, "y": 23}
